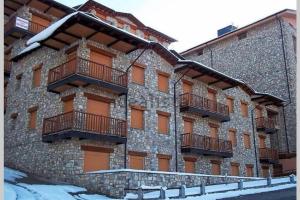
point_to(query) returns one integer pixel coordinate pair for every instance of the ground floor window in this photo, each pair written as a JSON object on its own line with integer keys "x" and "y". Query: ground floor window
{"x": 96, "y": 158}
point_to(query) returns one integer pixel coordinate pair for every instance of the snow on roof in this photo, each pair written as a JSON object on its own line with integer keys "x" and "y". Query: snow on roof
{"x": 29, "y": 48}
{"x": 49, "y": 30}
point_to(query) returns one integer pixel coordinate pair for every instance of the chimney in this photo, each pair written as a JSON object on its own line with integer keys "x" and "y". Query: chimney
{"x": 226, "y": 30}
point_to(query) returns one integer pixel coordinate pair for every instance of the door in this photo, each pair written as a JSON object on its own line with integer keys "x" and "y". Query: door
{"x": 188, "y": 128}
{"x": 97, "y": 117}
{"x": 214, "y": 138}
{"x": 101, "y": 66}
{"x": 68, "y": 108}
{"x": 70, "y": 66}
{"x": 212, "y": 103}
{"x": 38, "y": 24}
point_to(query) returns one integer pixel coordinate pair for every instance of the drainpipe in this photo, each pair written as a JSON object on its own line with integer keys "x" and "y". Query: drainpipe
{"x": 126, "y": 102}
{"x": 287, "y": 81}
{"x": 254, "y": 141}
{"x": 175, "y": 120}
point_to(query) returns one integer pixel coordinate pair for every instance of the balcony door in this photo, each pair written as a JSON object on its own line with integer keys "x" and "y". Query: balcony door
{"x": 187, "y": 87}
{"x": 213, "y": 131}
{"x": 212, "y": 100}
{"x": 262, "y": 142}
{"x": 96, "y": 117}
{"x": 188, "y": 129}
{"x": 258, "y": 112}
{"x": 273, "y": 118}
{"x": 101, "y": 66}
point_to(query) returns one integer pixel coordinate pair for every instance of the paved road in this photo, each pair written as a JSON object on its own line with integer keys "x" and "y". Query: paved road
{"x": 287, "y": 194}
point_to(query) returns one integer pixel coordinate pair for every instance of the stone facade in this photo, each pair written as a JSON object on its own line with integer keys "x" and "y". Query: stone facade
{"x": 63, "y": 160}
{"x": 258, "y": 60}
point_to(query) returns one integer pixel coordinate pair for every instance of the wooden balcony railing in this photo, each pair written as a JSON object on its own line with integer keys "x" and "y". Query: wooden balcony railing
{"x": 85, "y": 122}
{"x": 191, "y": 100}
{"x": 265, "y": 123}
{"x": 32, "y": 27}
{"x": 90, "y": 69}
{"x": 268, "y": 154}
{"x": 201, "y": 142}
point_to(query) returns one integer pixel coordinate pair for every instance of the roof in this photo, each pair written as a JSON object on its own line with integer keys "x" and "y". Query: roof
{"x": 92, "y": 3}
{"x": 240, "y": 30}
{"x": 48, "y": 6}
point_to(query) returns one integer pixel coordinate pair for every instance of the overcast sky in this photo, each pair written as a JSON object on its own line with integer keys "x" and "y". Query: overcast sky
{"x": 193, "y": 22}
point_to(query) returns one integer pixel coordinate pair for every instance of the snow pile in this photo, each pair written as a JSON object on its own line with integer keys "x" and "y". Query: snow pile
{"x": 12, "y": 175}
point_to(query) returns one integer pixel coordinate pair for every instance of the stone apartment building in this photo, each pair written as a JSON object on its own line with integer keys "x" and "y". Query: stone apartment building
{"x": 263, "y": 54}
{"x": 98, "y": 91}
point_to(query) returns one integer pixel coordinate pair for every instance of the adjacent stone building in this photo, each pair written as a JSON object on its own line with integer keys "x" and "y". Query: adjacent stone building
{"x": 263, "y": 54}
{"x": 98, "y": 91}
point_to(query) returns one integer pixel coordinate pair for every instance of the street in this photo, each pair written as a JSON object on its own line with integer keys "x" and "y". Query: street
{"x": 287, "y": 194}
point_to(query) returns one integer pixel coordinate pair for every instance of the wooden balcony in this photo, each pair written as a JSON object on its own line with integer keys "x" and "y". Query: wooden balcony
{"x": 203, "y": 106}
{"x": 266, "y": 125}
{"x": 268, "y": 155}
{"x": 81, "y": 72}
{"x": 77, "y": 124}
{"x": 204, "y": 145}
{"x": 18, "y": 27}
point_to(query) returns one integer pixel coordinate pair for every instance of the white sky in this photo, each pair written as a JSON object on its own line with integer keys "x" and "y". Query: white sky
{"x": 193, "y": 22}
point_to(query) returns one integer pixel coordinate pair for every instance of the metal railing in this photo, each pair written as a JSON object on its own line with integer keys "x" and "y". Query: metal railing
{"x": 264, "y": 122}
{"x": 88, "y": 68}
{"x": 196, "y": 101}
{"x": 268, "y": 154}
{"x": 33, "y": 27}
{"x": 191, "y": 140}
{"x": 85, "y": 122}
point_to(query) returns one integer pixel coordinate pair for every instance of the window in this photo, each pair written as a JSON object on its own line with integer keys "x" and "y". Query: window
{"x": 249, "y": 170}
{"x": 136, "y": 160}
{"x": 163, "y": 162}
{"x": 163, "y": 81}
{"x": 163, "y": 122}
{"x": 32, "y": 117}
{"x": 13, "y": 121}
{"x": 190, "y": 164}
{"x": 19, "y": 80}
{"x": 230, "y": 104}
{"x": 247, "y": 143}
{"x": 188, "y": 124}
{"x": 37, "y": 76}
{"x": 213, "y": 130}
{"x": 137, "y": 116}
{"x": 262, "y": 141}
{"x": 138, "y": 74}
{"x": 242, "y": 35}
{"x": 96, "y": 158}
{"x": 235, "y": 169}
{"x": 244, "y": 109}
{"x": 215, "y": 167}
{"x": 232, "y": 136}
{"x": 187, "y": 86}
{"x": 258, "y": 112}
{"x": 265, "y": 171}
{"x": 68, "y": 102}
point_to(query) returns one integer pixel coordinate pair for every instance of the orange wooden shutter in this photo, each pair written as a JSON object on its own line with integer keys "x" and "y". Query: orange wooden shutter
{"x": 213, "y": 132}
{"x": 258, "y": 112}
{"x": 216, "y": 169}
{"x": 40, "y": 21}
{"x": 230, "y": 104}
{"x": 136, "y": 162}
{"x": 138, "y": 75}
{"x": 100, "y": 58}
{"x": 163, "y": 164}
{"x": 235, "y": 170}
{"x": 212, "y": 96}
{"x": 163, "y": 124}
{"x": 98, "y": 107}
{"x": 32, "y": 119}
{"x": 96, "y": 67}
{"x": 232, "y": 137}
{"x": 187, "y": 88}
{"x": 94, "y": 161}
{"x": 265, "y": 171}
{"x": 37, "y": 77}
{"x": 189, "y": 166}
{"x": 247, "y": 142}
{"x": 188, "y": 126}
{"x": 137, "y": 118}
{"x": 262, "y": 142}
{"x": 163, "y": 83}
{"x": 68, "y": 105}
{"x": 249, "y": 171}
{"x": 244, "y": 109}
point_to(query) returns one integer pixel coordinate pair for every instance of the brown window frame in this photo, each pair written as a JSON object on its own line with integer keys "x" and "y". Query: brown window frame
{"x": 235, "y": 164}
{"x": 140, "y": 109}
{"x": 216, "y": 162}
{"x": 231, "y": 99}
{"x": 36, "y": 68}
{"x": 30, "y": 111}
{"x": 140, "y": 66}
{"x": 247, "y": 146}
{"x": 165, "y": 157}
{"x": 249, "y": 166}
{"x": 137, "y": 154}
{"x": 164, "y": 114}
{"x": 166, "y": 75}
{"x": 234, "y": 144}
{"x": 246, "y": 114}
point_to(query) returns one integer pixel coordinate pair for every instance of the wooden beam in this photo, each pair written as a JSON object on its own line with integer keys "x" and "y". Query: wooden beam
{"x": 214, "y": 82}
{"x": 13, "y": 9}
{"x": 135, "y": 48}
{"x": 232, "y": 86}
{"x": 198, "y": 76}
{"x": 112, "y": 43}
{"x": 71, "y": 34}
{"x": 61, "y": 41}
{"x": 50, "y": 6}
{"x": 91, "y": 35}
{"x": 71, "y": 84}
{"x": 16, "y": 2}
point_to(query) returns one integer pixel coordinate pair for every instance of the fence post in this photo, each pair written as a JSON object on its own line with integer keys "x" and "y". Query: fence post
{"x": 202, "y": 188}
{"x": 240, "y": 184}
{"x": 182, "y": 191}
{"x": 269, "y": 181}
{"x": 140, "y": 193}
{"x": 162, "y": 193}
{"x": 292, "y": 178}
